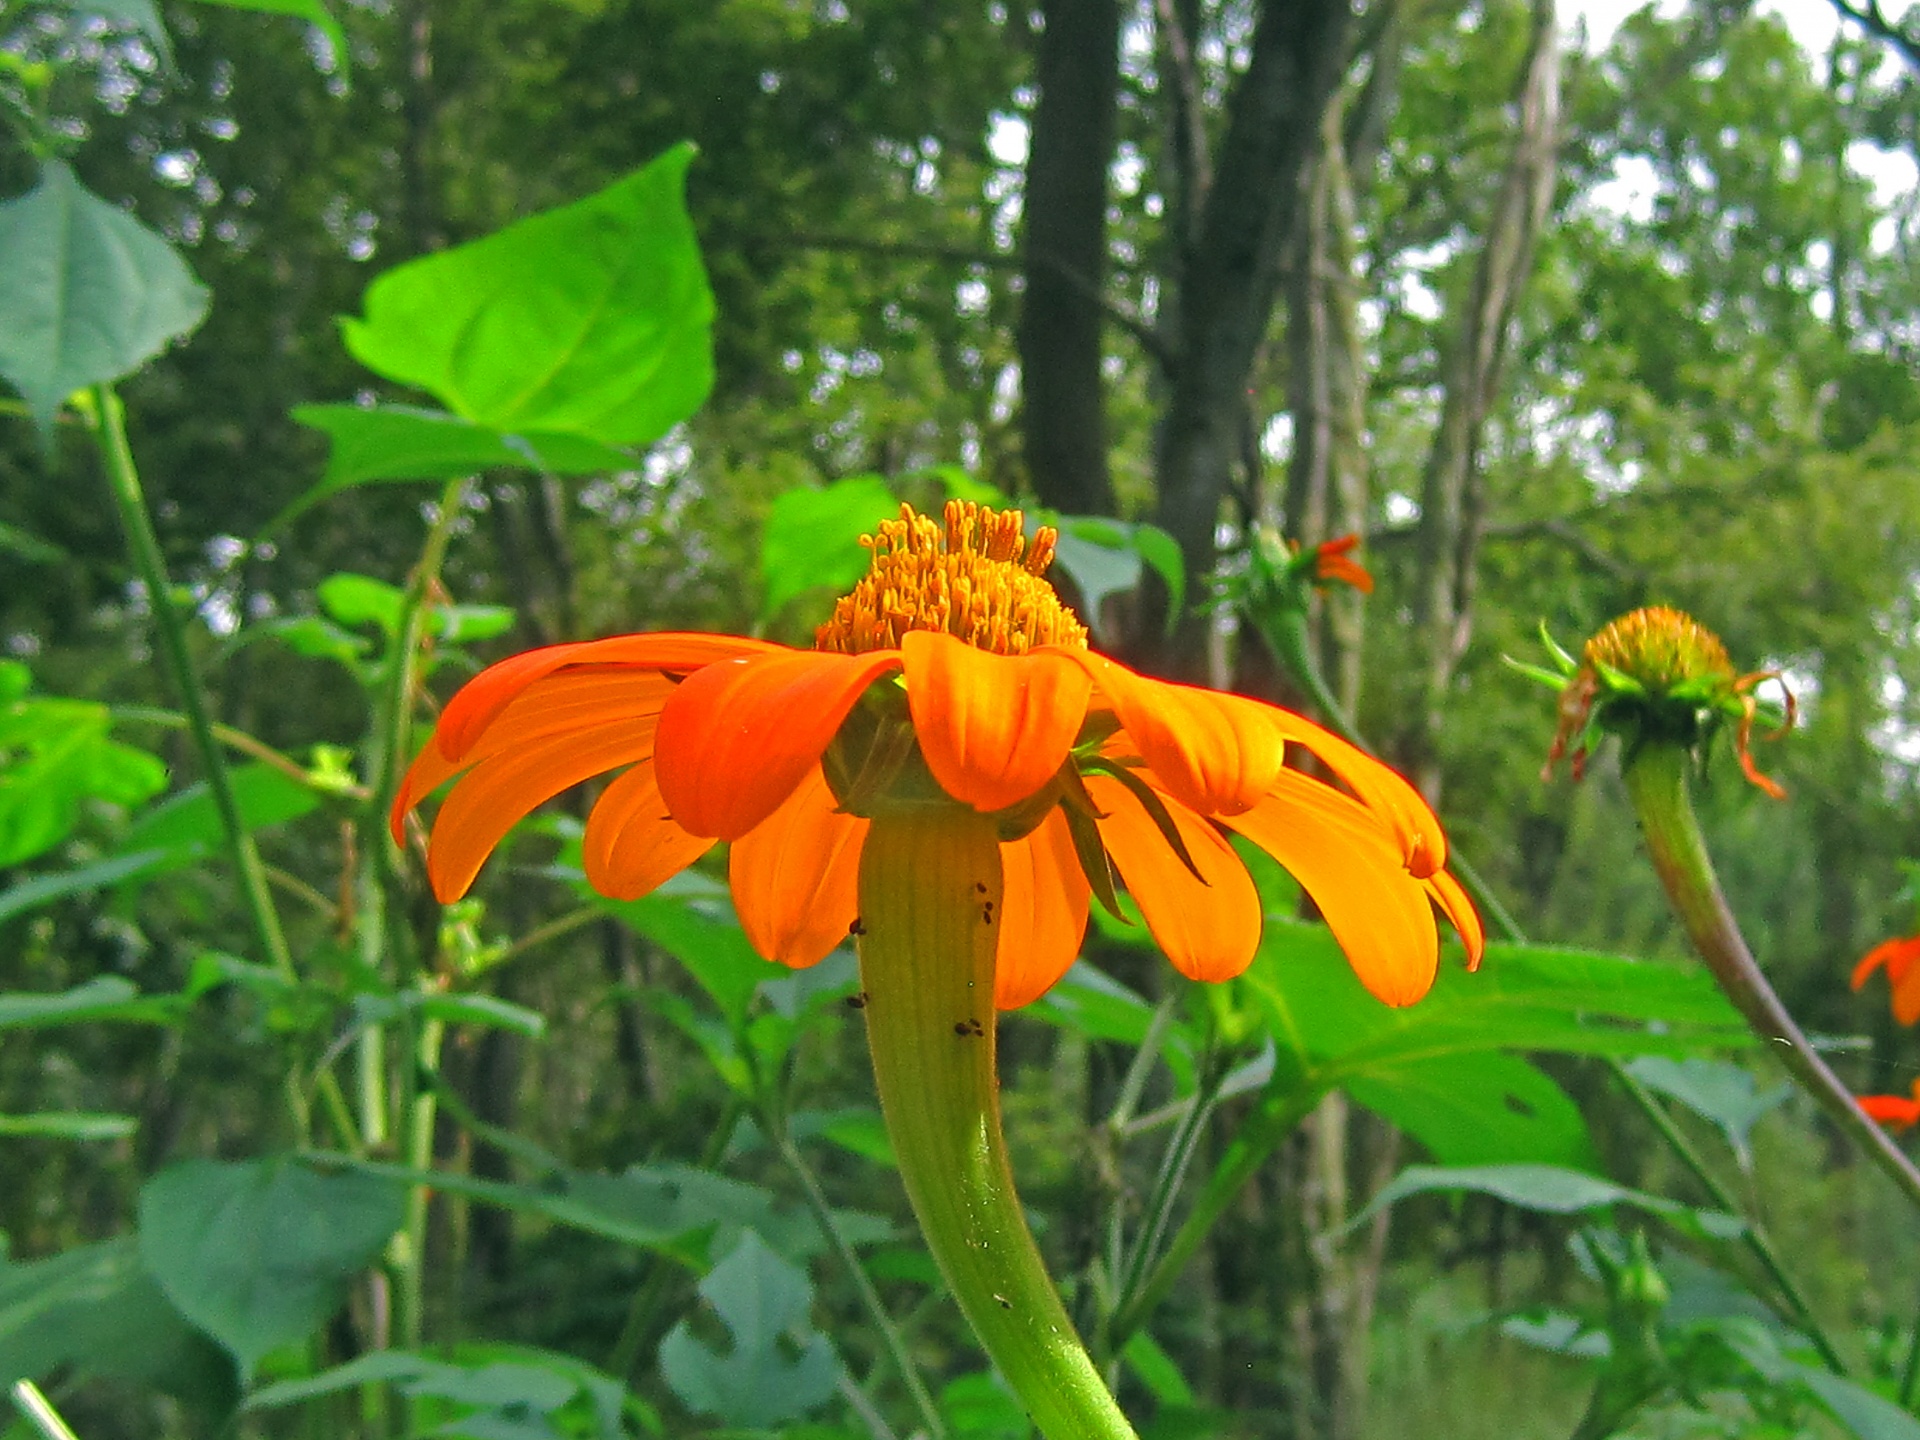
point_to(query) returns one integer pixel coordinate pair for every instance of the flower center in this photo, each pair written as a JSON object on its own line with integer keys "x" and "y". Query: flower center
{"x": 1662, "y": 649}
{"x": 977, "y": 578}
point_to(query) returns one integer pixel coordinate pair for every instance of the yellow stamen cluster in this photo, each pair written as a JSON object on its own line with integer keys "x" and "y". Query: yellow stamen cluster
{"x": 977, "y": 578}
{"x": 1661, "y": 648}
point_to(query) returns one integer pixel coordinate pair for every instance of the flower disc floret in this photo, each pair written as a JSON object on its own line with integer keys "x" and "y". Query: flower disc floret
{"x": 951, "y": 676}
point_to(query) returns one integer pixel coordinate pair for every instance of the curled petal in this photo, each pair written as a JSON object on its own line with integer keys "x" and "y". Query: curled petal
{"x": 1454, "y": 903}
{"x": 1906, "y": 996}
{"x": 1423, "y": 843}
{"x": 1896, "y": 1110}
{"x": 493, "y": 796}
{"x": 1216, "y": 753}
{"x": 739, "y": 736}
{"x": 1897, "y": 955}
{"x": 1348, "y": 861}
{"x": 1043, "y": 913}
{"x": 1209, "y": 927}
{"x": 796, "y": 876}
{"x": 632, "y": 845}
{"x": 993, "y": 728}
{"x": 477, "y": 702}
{"x": 578, "y": 699}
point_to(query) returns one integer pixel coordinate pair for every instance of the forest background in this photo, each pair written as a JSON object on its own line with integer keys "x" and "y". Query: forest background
{"x": 1559, "y": 328}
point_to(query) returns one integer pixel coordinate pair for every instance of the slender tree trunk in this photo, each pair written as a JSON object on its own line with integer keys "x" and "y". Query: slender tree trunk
{"x": 1064, "y": 413}
{"x": 1451, "y": 501}
{"x": 1230, "y": 275}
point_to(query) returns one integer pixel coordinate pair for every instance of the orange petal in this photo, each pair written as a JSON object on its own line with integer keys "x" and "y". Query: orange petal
{"x": 1895, "y": 1110}
{"x": 1906, "y": 995}
{"x": 473, "y": 708}
{"x": 1043, "y": 913}
{"x": 1217, "y": 753}
{"x": 574, "y": 699}
{"x": 738, "y": 737}
{"x": 796, "y": 876}
{"x": 1448, "y": 894}
{"x": 993, "y": 728}
{"x": 632, "y": 845}
{"x": 1423, "y": 842}
{"x": 1897, "y": 955}
{"x": 498, "y": 792}
{"x": 1348, "y": 862}
{"x": 1208, "y": 927}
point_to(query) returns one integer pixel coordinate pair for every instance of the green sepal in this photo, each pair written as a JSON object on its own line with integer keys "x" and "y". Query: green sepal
{"x": 1155, "y": 807}
{"x": 1539, "y": 674}
{"x": 1565, "y": 661}
{"x": 1092, "y": 853}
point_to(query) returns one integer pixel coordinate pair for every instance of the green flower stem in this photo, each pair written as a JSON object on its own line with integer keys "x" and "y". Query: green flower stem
{"x": 1754, "y": 1234}
{"x": 109, "y": 421}
{"x": 891, "y": 1338}
{"x": 1657, "y": 780}
{"x": 930, "y": 887}
{"x": 40, "y": 1412}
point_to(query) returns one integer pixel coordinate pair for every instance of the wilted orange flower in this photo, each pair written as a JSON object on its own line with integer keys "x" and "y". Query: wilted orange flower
{"x": 951, "y": 673}
{"x": 1333, "y": 560}
{"x": 1895, "y": 1110}
{"x": 1902, "y": 961}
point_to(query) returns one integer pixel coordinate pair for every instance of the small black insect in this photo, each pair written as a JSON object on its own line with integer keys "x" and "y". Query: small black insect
{"x": 859, "y": 1001}
{"x": 858, "y": 927}
{"x": 986, "y": 913}
{"x": 1005, "y": 1303}
{"x": 968, "y": 1028}
{"x": 981, "y": 886}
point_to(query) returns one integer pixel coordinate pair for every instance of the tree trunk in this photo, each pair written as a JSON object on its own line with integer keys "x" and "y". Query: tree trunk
{"x": 1064, "y": 411}
{"x": 1229, "y": 277}
{"x": 1451, "y": 502}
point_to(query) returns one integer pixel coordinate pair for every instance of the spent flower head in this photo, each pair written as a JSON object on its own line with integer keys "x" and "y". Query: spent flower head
{"x": 1654, "y": 676}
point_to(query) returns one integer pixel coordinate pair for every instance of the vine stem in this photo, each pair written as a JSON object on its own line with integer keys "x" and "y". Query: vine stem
{"x": 109, "y": 421}
{"x": 930, "y": 887}
{"x": 1656, "y": 777}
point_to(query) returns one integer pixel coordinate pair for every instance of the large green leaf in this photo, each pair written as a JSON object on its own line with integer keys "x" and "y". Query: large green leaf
{"x": 1524, "y": 997}
{"x": 189, "y": 824}
{"x": 406, "y": 442}
{"x": 55, "y": 756}
{"x": 259, "y": 1253}
{"x": 763, "y": 1301}
{"x": 98, "y": 1311}
{"x": 591, "y": 320}
{"x": 811, "y": 540}
{"x": 1716, "y": 1090}
{"x": 1482, "y": 1109}
{"x": 90, "y": 293}
{"x": 1549, "y": 1189}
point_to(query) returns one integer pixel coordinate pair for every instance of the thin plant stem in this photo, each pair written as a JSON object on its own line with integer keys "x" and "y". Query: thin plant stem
{"x": 1656, "y": 777}
{"x": 870, "y": 1301}
{"x": 1754, "y": 1234}
{"x": 110, "y": 430}
{"x": 410, "y": 1293}
{"x": 238, "y": 740}
{"x": 39, "y": 1411}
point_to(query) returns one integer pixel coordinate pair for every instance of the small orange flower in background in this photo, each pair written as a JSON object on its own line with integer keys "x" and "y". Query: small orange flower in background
{"x": 1333, "y": 560}
{"x": 1902, "y": 961}
{"x": 1899, "y": 1111}
{"x": 951, "y": 673}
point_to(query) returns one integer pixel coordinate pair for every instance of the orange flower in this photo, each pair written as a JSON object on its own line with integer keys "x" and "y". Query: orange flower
{"x": 1902, "y": 960}
{"x": 951, "y": 673}
{"x": 1895, "y": 1110}
{"x": 1332, "y": 561}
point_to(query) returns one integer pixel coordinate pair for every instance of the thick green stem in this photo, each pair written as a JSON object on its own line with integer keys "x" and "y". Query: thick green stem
{"x": 1657, "y": 780}
{"x": 930, "y": 890}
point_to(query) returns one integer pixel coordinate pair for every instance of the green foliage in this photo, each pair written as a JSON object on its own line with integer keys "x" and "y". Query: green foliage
{"x": 763, "y": 1302}
{"x": 258, "y": 1253}
{"x": 92, "y": 295}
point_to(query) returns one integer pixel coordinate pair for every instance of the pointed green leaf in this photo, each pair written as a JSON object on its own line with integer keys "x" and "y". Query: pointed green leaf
{"x": 592, "y": 320}
{"x": 91, "y": 294}
{"x": 259, "y": 1254}
{"x": 311, "y": 11}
